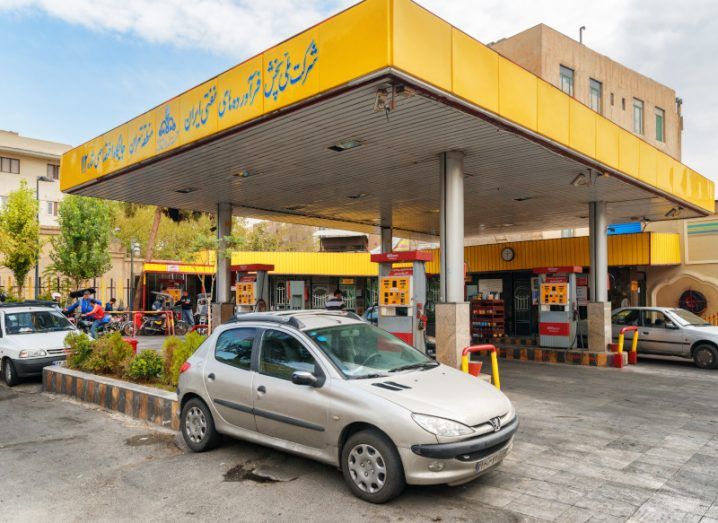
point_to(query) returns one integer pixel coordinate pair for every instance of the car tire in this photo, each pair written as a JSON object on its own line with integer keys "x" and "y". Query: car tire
{"x": 128, "y": 329}
{"x": 705, "y": 356}
{"x": 181, "y": 328}
{"x": 9, "y": 373}
{"x": 197, "y": 426}
{"x": 372, "y": 467}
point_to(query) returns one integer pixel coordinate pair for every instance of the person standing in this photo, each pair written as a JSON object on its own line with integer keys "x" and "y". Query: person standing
{"x": 110, "y": 305}
{"x": 336, "y": 302}
{"x": 185, "y": 303}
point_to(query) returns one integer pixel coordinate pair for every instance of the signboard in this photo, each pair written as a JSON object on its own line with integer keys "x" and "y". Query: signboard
{"x": 395, "y": 291}
{"x": 582, "y": 295}
{"x": 406, "y": 271}
{"x": 173, "y": 268}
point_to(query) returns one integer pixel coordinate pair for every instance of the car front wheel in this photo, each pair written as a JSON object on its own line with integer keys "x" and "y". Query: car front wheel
{"x": 372, "y": 467}
{"x": 705, "y": 357}
{"x": 9, "y": 373}
{"x": 197, "y": 426}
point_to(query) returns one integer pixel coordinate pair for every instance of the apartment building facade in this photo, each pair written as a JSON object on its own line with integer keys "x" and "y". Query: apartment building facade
{"x": 635, "y": 102}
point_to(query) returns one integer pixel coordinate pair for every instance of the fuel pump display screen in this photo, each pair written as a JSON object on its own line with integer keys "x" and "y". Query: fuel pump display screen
{"x": 554, "y": 294}
{"x": 245, "y": 293}
{"x": 395, "y": 291}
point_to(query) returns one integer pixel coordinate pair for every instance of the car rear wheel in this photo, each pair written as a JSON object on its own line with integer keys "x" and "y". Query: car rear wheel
{"x": 197, "y": 426}
{"x": 9, "y": 373}
{"x": 372, "y": 467}
{"x": 705, "y": 357}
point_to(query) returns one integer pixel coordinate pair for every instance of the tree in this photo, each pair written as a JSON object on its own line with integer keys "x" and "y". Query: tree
{"x": 80, "y": 251}
{"x": 20, "y": 242}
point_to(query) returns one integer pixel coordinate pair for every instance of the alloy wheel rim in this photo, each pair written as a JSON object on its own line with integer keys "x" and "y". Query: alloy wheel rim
{"x": 8, "y": 373}
{"x": 367, "y": 468}
{"x": 195, "y": 425}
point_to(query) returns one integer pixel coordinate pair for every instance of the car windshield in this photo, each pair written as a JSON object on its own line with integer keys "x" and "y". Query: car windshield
{"x": 688, "y": 318}
{"x": 35, "y": 322}
{"x": 360, "y": 350}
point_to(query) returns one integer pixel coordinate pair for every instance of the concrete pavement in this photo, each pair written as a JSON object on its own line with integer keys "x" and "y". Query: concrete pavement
{"x": 594, "y": 445}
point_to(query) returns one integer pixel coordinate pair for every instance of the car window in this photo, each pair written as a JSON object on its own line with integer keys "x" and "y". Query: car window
{"x": 234, "y": 347}
{"x": 35, "y": 322}
{"x": 282, "y": 354}
{"x": 626, "y": 317}
{"x": 654, "y": 319}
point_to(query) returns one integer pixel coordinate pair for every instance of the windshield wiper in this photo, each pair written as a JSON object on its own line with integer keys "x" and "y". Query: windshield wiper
{"x": 423, "y": 366}
{"x": 370, "y": 376}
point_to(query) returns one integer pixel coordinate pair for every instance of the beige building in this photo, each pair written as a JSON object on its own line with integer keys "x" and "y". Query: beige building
{"x": 696, "y": 278}
{"x": 28, "y": 159}
{"x": 633, "y": 101}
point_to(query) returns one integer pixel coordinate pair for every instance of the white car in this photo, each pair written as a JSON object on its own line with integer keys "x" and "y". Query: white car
{"x": 32, "y": 336}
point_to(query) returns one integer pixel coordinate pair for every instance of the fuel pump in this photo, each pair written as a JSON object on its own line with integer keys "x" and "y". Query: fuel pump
{"x": 402, "y": 295}
{"x": 251, "y": 285}
{"x": 558, "y": 306}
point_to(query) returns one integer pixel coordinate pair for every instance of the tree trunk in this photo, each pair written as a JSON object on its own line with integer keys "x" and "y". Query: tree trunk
{"x": 149, "y": 252}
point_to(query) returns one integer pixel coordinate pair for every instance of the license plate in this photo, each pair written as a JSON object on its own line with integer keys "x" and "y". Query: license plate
{"x": 492, "y": 460}
{"x": 59, "y": 363}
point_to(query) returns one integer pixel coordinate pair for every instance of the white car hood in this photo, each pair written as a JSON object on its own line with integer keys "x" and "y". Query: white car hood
{"x": 40, "y": 340}
{"x": 444, "y": 392}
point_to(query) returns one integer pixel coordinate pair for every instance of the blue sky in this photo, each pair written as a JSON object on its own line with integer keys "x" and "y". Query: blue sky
{"x": 66, "y": 83}
{"x": 73, "y": 69}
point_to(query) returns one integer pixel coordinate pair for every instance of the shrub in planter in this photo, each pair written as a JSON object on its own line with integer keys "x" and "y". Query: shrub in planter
{"x": 181, "y": 353}
{"x": 110, "y": 355}
{"x": 147, "y": 365}
{"x": 170, "y": 346}
{"x": 80, "y": 346}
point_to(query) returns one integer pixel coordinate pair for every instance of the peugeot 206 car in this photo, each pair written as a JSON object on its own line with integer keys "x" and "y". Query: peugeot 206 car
{"x": 328, "y": 386}
{"x": 32, "y": 336}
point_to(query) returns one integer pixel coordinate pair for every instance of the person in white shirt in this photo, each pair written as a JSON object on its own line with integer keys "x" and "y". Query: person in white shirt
{"x": 336, "y": 302}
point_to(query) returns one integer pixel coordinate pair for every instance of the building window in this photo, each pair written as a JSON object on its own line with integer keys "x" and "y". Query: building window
{"x": 9, "y": 165}
{"x": 637, "y": 116}
{"x": 53, "y": 171}
{"x": 595, "y": 95}
{"x": 567, "y": 80}
{"x": 623, "y": 104}
{"x": 611, "y": 99}
{"x": 51, "y": 208}
{"x": 660, "y": 125}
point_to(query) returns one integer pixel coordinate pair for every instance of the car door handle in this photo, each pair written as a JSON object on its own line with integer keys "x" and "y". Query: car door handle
{"x": 645, "y": 333}
{"x": 210, "y": 376}
{"x": 262, "y": 389}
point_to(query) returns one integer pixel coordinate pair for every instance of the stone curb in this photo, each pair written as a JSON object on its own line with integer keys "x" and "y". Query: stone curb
{"x": 138, "y": 401}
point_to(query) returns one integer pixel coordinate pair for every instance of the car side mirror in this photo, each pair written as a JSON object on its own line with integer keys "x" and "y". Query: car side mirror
{"x": 671, "y": 325}
{"x": 302, "y": 377}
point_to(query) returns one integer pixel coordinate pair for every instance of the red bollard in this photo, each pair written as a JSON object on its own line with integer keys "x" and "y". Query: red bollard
{"x": 618, "y": 360}
{"x": 632, "y": 357}
{"x": 133, "y": 343}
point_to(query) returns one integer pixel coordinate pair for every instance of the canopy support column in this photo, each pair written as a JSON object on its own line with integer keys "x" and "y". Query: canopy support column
{"x": 599, "y": 308}
{"x": 452, "y": 314}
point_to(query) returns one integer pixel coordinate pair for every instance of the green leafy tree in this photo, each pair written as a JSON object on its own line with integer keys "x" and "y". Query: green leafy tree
{"x": 20, "y": 240}
{"x": 80, "y": 251}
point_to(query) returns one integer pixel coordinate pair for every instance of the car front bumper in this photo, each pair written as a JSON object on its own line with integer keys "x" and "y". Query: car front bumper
{"x": 459, "y": 461}
{"x": 29, "y": 367}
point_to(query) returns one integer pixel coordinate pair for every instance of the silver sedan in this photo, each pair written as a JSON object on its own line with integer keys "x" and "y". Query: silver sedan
{"x": 333, "y": 388}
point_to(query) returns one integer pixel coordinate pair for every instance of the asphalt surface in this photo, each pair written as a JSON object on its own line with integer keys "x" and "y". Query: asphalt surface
{"x": 594, "y": 445}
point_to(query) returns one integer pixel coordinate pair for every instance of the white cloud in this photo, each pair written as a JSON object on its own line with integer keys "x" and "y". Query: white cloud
{"x": 674, "y": 43}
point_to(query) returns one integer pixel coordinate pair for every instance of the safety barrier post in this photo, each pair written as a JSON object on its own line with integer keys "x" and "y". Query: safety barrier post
{"x": 494, "y": 361}
{"x": 633, "y": 355}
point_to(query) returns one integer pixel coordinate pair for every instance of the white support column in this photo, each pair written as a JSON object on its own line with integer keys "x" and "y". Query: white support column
{"x": 224, "y": 228}
{"x": 452, "y": 314}
{"x": 599, "y": 309}
{"x": 598, "y": 248}
{"x": 387, "y": 234}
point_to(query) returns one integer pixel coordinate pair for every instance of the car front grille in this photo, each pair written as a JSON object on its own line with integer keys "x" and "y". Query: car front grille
{"x": 56, "y": 352}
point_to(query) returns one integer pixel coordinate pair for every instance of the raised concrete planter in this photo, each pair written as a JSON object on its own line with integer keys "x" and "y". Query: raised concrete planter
{"x": 146, "y": 403}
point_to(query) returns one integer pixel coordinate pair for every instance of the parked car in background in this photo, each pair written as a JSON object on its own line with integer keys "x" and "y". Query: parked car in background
{"x": 331, "y": 387}
{"x": 669, "y": 332}
{"x": 32, "y": 336}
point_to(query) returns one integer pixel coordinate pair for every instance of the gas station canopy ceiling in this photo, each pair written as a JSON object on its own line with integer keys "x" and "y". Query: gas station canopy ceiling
{"x": 342, "y": 125}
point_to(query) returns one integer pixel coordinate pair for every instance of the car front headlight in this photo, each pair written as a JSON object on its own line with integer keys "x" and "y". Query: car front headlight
{"x": 441, "y": 426}
{"x": 37, "y": 353}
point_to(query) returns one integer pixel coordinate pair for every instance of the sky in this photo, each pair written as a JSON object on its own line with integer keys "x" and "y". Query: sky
{"x": 73, "y": 69}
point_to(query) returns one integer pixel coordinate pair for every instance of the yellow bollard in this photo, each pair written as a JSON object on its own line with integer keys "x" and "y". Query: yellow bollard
{"x": 621, "y": 340}
{"x": 495, "y": 369}
{"x": 465, "y": 363}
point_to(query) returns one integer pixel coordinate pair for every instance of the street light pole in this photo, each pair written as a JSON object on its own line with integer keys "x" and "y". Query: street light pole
{"x": 37, "y": 262}
{"x": 134, "y": 246}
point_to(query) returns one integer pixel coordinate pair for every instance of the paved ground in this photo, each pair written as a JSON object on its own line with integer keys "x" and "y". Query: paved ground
{"x": 594, "y": 445}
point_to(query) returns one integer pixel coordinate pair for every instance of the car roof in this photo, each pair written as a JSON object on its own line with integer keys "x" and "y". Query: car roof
{"x": 299, "y": 319}
{"x": 25, "y": 308}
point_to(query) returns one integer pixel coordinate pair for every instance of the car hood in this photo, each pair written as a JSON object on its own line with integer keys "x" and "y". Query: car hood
{"x": 40, "y": 340}
{"x": 441, "y": 391}
{"x": 709, "y": 330}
